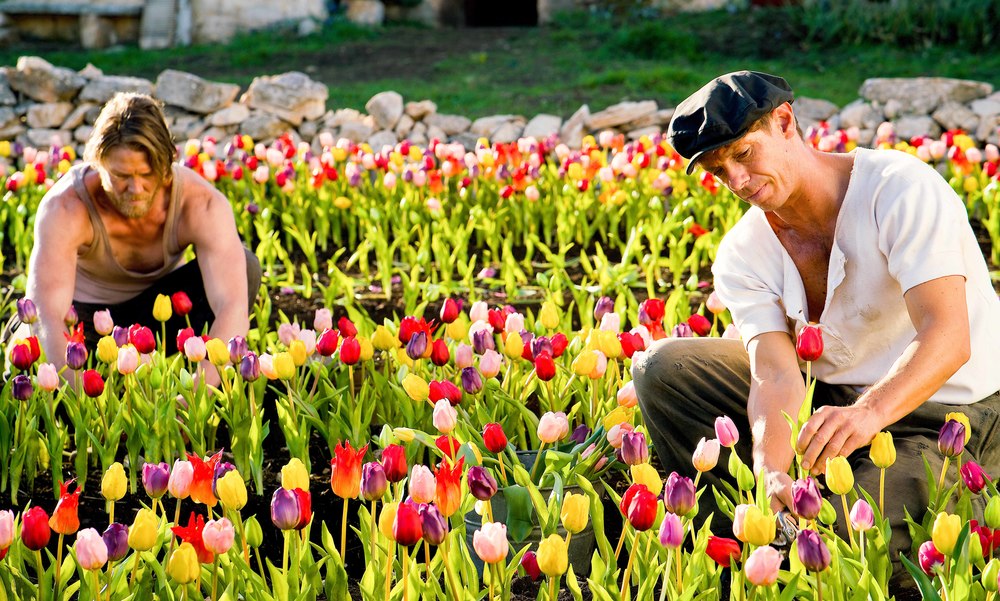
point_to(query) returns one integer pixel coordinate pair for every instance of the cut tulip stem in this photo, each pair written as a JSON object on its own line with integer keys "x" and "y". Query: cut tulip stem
{"x": 406, "y": 563}
{"x": 628, "y": 570}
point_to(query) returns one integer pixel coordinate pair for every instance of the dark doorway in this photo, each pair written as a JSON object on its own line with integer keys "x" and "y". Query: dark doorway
{"x": 497, "y": 13}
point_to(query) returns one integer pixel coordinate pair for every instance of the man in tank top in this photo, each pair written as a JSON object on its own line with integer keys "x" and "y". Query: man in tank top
{"x": 112, "y": 234}
{"x": 875, "y": 247}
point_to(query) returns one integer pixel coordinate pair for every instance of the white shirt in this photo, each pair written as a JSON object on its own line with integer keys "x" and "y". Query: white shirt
{"x": 900, "y": 225}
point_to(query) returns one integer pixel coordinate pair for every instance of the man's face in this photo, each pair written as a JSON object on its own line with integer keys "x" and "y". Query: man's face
{"x": 753, "y": 167}
{"x": 129, "y": 181}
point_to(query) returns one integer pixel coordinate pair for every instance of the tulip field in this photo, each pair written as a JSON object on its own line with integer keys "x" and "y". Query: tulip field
{"x": 434, "y": 400}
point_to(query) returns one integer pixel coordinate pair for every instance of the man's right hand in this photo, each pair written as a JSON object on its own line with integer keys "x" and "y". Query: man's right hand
{"x": 779, "y": 487}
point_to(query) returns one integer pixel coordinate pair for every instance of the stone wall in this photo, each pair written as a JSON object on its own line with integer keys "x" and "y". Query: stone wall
{"x": 219, "y": 20}
{"x": 41, "y": 105}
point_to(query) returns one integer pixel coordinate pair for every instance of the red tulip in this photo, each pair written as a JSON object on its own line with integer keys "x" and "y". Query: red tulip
{"x": 345, "y": 467}
{"x": 326, "y": 344}
{"x": 346, "y": 327}
{"x": 545, "y": 367}
{"x": 559, "y": 344}
{"x": 497, "y": 319}
{"x": 181, "y": 303}
{"x": 305, "y": 507}
{"x": 35, "y": 530}
{"x": 723, "y": 550}
{"x": 448, "y": 445}
{"x": 411, "y": 325}
{"x": 449, "y": 486}
{"x": 93, "y": 384}
{"x": 202, "y": 478}
{"x": 973, "y": 476}
{"x": 631, "y": 343}
{"x": 450, "y": 310}
{"x": 394, "y": 463}
{"x": 22, "y": 355}
{"x": 350, "y": 350}
{"x": 66, "y": 518}
{"x": 182, "y": 337}
{"x": 192, "y": 534}
{"x": 406, "y": 527}
{"x": 809, "y": 345}
{"x": 494, "y": 438}
{"x": 641, "y": 509}
{"x": 700, "y": 324}
{"x": 445, "y": 389}
{"x": 439, "y": 353}
{"x": 141, "y": 338}
{"x": 651, "y": 312}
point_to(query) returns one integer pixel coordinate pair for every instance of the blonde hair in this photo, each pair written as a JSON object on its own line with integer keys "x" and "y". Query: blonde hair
{"x": 134, "y": 121}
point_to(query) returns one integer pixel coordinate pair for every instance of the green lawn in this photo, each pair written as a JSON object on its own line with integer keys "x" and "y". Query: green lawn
{"x": 580, "y": 59}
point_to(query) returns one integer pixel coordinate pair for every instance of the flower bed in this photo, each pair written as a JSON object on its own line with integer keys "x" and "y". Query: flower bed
{"x": 587, "y": 256}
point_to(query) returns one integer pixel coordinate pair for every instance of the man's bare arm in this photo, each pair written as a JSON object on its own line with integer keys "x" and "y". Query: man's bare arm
{"x": 941, "y": 346}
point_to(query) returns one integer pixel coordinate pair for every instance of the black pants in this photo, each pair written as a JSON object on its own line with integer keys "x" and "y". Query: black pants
{"x": 139, "y": 309}
{"x": 683, "y": 384}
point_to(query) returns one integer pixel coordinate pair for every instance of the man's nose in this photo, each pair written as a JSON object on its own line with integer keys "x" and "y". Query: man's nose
{"x": 736, "y": 178}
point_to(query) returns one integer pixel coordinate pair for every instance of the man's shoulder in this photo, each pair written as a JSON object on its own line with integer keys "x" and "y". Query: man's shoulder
{"x": 63, "y": 200}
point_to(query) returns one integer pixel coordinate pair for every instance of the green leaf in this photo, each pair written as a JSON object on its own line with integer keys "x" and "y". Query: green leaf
{"x": 519, "y": 512}
{"x": 927, "y": 589}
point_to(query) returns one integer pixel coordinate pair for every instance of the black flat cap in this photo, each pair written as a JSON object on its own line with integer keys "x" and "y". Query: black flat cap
{"x": 723, "y": 110}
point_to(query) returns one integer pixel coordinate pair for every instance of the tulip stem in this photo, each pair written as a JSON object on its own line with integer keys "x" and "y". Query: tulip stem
{"x": 388, "y": 567}
{"x": 243, "y": 537}
{"x": 538, "y": 461}
{"x": 111, "y": 512}
{"x": 406, "y": 563}
{"x": 847, "y": 519}
{"x": 503, "y": 472}
{"x": 427, "y": 560}
{"x": 343, "y": 534}
{"x": 350, "y": 376}
{"x": 881, "y": 492}
{"x": 284, "y": 555}
{"x": 666, "y": 578}
{"x": 177, "y": 519}
{"x": 97, "y": 583}
{"x": 135, "y": 568}
{"x": 819, "y": 586}
{"x": 447, "y": 569}
{"x": 55, "y": 574}
{"x": 621, "y": 541}
{"x": 628, "y": 571}
{"x": 680, "y": 582}
{"x": 372, "y": 550}
{"x": 492, "y": 579}
{"x": 215, "y": 577}
{"x": 41, "y": 574}
{"x": 944, "y": 471}
{"x": 552, "y": 588}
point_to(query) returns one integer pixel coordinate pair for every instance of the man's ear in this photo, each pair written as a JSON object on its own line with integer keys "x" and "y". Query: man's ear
{"x": 785, "y": 119}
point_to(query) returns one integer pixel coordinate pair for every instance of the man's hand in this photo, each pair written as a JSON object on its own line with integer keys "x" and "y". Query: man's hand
{"x": 779, "y": 486}
{"x": 833, "y": 431}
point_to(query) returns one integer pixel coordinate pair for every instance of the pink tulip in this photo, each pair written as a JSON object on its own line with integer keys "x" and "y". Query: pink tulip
{"x": 611, "y": 322}
{"x": 287, "y": 332}
{"x": 423, "y": 485}
{"x": 91, "y": 552}
{"x": 463, "y": 356}
{"x": 194, "y": 349}
{"x": 626, "y": 395}
{"x": 266, "y": 362}
{"x": 103, "y": 324}
{"x": 731, "y": 332}
{"x": 445, "y": 416}
{"x": 490, "y": 542}
{"x": 489, "y": 363}
{"x": 553, "y": 427}
{"x": 761, "y": 568}
{"x": 48, "y": 377}
{"x": 992, "y": 153}
{"x": 706, "y": 455}
{"x": 600, "y": 366}
{"x": 218, "y": 536}
{"x": 323, "y": 320}
{"x": 738, "y": 514}
{"x": 6, "y": 528}
{"x": 479, "y": 311}
{"x": 714, "y": 304}
{"x": 671, "y": 531}
{"x": 128, "y": 359}
{"x": 974, "y": 155}
{"x": 531, "y": 193}
{"x": 308, "y": 338}
{"x": 617, "y": 432}
{"x": 726, "y": 432}
{"x": 513, "y": 323}
{"x": 181, "y": 475}
{"x": 862, "y": 516}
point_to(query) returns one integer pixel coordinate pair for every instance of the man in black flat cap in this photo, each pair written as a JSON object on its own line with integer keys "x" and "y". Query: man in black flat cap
{"x": 872, "y": 245}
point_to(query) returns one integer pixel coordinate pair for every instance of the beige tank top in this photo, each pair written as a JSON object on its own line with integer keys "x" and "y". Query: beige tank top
{"x": 99, "y": 276}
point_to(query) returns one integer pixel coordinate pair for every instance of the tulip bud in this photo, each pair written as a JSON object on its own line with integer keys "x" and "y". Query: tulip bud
{"x": 529, "y": 563}
{"x": 155, "y": 477}
{"x": 928, "y": 556}
{"x": 115, "y": 538}
{"x": 490, "y": 542}
{"x": 827, "y": 514}
{"x": 162, "y": 309}
{"x": 35, "y": 529}
{"x": 862, "y": 516}
{"x": 990, "y": 575}
{"x": 91, "y": 552}
{"x": 416, "y": 387}
{"x": 114, "y": 483}
{"x": 809, "y": 344}
{"x": 387, "y": 518}
{"x": 407, "y": 528}
{"x": 726, "y": 432}
{"x": 472, "y": 382}
{"x": 646, "y": 474}
{"x": 21, "y": 388}
{"x": 514, "y": 345}
{"x": 142, "y": 534}
{"x": 423, "y": 485}
{"x": 706, "y": 454}
{"x": 951, "y": 439}
{"x": 945, "y": 532}
{"x": 250, "y": 367}
{"x": 181, "y": 475}
{"x": 103, "y": 324}
{"x": 883, "y": 451}
{"x": 552, "y": 427}
{"x": 27, "y": 312}
{"x": 963, "y": 419}
{"x": 813, "y": 552}
{"x": 759, "y": 527}
{"x": 76, "y": 355}
{"x": 433, "y": 524}
{"x": 294, "y": 475}
{"x": 284, "y": 365}
{"x": 383, "y": 339}
{"x": 806, "y": 498}
{"x": 634, "y": 449}
{"x": 973, "y": 476}
{"x": 231, "y": 490}
{"x": 181, "y": 303}
{"x": 237, "y": 347}
{"x": 183, "y": 565}
{"x": 553, "y": 556}
{"x": 640, "y": 507}
{"x": 575, "y": 512}
{"x": 254, "y": 533}
{"x": 481, "y": 483}
{"x": 285, "y": 511}
{"x": 992, "y": 514}
{"x": 48, "y": 377}
{"x": 373, "y": 481}
{"x": 218, "y": 536}
{"x": 218, "y": 352}
{"x": 839, "y": 475}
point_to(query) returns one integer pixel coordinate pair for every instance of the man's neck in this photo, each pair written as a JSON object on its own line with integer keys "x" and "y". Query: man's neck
{"x": 820, "y": 190}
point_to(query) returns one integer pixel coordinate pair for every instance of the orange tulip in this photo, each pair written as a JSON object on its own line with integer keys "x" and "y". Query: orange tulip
{"x": 345, "y": 477}
{"x": 65, "y": 518}
{"x": 201, "y": 481}
{"x": 449, "y": 487}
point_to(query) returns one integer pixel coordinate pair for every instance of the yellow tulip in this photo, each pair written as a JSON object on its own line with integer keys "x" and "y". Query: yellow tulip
{"x": 758, "y": 527}
{"x": 218, "y": 352}
{"x": 383, "y": 339}
{"x": 142, "y": 533}
{"x": 340, "y": 154}
{"x": 298, "y": 352}
{"x": 575, "y": 512}
{"x": 945, "y": 532}
{"x": 183, "y": 566}
{"x": 367, "y": 349}
{"x": 548, "y": 315}
{"x": 107, "y": 350}
{"x": 386, "y": 518}
{"x": 620, "y": 415}
{"x": 513, "y": 346}
{"x": 458, "y": 329}
{"x": 416, "y": 387}
{"x": 114, "y": 483}
{"x": 646, "y": 474}
{"x": 284, "y": 365}
{"x": 162, "y": 309}
{"x": 584, "y": 363}
{"x": 232, "y": 490}
{"x": 608, "y": 343}
{"x": 342, "y": 202}
{"x": 839, "y": 476}
{"x": 553, "y": 556}
{"x": 294, "y": 475}
{"x": 404, "y": 434}
{"x": 963, "y": 419}
{"x": 403, "y": 358}
{"x": 883, "y": 451}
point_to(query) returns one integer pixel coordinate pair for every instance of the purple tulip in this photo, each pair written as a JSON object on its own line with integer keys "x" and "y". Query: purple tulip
{"x": 250, "y": 367}
{"x": 76, "y": 355}
{"x": 671, "y": 531}
{"x": 27, "y": 312}
{"x": 221, "y": 469}
{"x": 634, "y": 449}
{"x": 806, "y": 498}
{"x": 284, "y": 509}
{"x": 237, "y": 349}
{"x": 540, "y": 345}
{"x": 472, "y": 381}
{"x": 21, "y": 387}
{"x": 604, "y": 306}
{"x": 434, "y": 525}
{"x": 71, "y": 317}
{"x": 580, "y": 434}
{"x": 155, "y": 477}
{"x": 417, "y": 346}
{"x": 482, "y": 341}
{"x": 120, "y": 335}
{"x": 813, "y": 552}
{"x": 373, "y": 481}
{"x": 482, "y": 485}
{"x": 951, "y": 438}
{"x": 682, "y": 330}
{"x": 116, "y": 540}
{"x": 678, "y": 494}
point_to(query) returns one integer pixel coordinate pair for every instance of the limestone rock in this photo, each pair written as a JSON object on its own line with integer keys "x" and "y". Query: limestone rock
{"x": 433, "y": 131}
{"x": 952, "y": 115}
{"x": 404, "y": 126}
{"x": 382, "y": 138}
{"x": 48, "y": 115}
{"x": 231, "y": 115}
{"x": 82, "y": 134}
{"x": 8, "y": 117}
{"x": 91, "y": 71}
{"x": 36, "y": 78}
{"x": 620, "y": 114}
{"x": 450, "y": 125}
{"x": 344, "y": 116}
{"x": 193, "y": 93}
{"x": 101, "y": 89}
{"x": 486, "y": 127}
{"x": 862, "y": 115}
{"x": 814, "y": 108}
{"x": 542, "y": 126}
{"x": 263, "y": 126}
{"x": 982, "y": 107}
{"x": 356, "y": 131}
{"x": 922, "y": 95}
{"x": 419, "y": 110}
{"x": 7, "y": 96}
{"x": 187, "y": 127}
{"x": 308, "y": 130}
{"x": 12, "y": 130}
{"x": 366, "y": 12}
{"x": 293, "y": 96}
{"x": 909, "y": 127}
{"x": 506, "y": 133}
{"x": 386, "y": 108}
{"x": 893, "y": 109}
{"x": 571, "y": 132}
{"x": 45, "y": 137}
{"x": 466, "y": 139}
{"x": 92, "y": 114}
{"x": 658, "y": 119}
{"x": 76, "y": 118}
{"x": 989, "y": 129}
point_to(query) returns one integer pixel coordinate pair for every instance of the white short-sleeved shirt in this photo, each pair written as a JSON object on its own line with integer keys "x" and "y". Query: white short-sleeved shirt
{"x": 900, "y": 225}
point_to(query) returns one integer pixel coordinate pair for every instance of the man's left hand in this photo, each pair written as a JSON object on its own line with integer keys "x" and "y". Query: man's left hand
{"x": 835, "y": 431}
